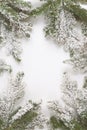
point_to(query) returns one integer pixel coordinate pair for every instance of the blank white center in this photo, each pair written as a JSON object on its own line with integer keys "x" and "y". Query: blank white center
{"x": 42, "y": 64}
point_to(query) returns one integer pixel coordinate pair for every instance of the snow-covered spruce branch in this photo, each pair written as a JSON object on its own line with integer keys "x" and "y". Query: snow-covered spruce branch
{"x": 63, "y": 26}
{"x": 14, "y": 92}
{"x": 78, "y": 58}
{"x": 66, "y": 21}
{"x": 71, "y": 112}
{"x": 28, "y": 117}
{"x": 13, "y": 26}
{"x": 4, "y": 66}
{"x": 13, "y": 115}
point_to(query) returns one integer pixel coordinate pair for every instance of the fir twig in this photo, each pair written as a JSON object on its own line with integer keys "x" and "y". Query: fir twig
{"x": 71, "y": 113}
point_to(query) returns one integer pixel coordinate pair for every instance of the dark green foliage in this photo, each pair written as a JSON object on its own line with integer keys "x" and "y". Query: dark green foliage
{"x": 10, "y": 11}
{"x": 13, "y": 113}
{"x": 1, "y": 123}
{"x": 85, "y": 83}
{"x": 51, "y": 14}
{"x": 79, "y": 13}
{"x": 57, "y": 123}
{"x": 27, "y": 118}
{"x": 40, "y": 10}
{"x": 45, "y": 7}
{"x": 54, "y": 122}
{"x": 81, "y": 123}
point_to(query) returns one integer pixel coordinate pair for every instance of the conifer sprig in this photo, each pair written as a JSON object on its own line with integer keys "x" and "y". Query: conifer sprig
{"x": 13, "y": 115}
{"x": 13, "y": 27}
{"x": 4, "y": 66}
{"x": 71, "y": 112}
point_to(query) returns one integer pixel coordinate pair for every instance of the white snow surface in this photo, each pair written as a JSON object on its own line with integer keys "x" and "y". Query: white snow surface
{"x": 42, "y": 63}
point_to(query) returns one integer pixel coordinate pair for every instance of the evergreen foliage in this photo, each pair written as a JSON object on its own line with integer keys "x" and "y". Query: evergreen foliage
{"x": 66, "y": 21}
{"x": 13, "y": 26}
{"x": 71, "y": 112}
{"x": 78, "y": 58}
{"x": 4, "y": 67}
{"x": 14, "y": 116}
{"x": 62, "y": 23}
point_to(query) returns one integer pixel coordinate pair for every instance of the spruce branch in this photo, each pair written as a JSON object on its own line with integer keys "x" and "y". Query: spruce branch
{"x": 26, "y": 117}
{"x": 43, "y": 9}
{"x": 14, "y": 93}
{"x": 66, "y": 21}
{"x": 4, "y": 67}
{"x": 78, "y": 58}
{"x": 79, "y": 13}
{"x": 13, "y": 115}
{"x": 18, "y": 9}
{"x": 71, "y": 114}
{"x": 13, "y": 27}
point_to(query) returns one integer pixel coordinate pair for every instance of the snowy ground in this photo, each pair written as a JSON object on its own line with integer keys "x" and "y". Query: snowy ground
{"x": 42, "y": 63}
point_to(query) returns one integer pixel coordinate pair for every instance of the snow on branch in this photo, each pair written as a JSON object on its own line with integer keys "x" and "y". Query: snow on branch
{"x": 13, "y": 27}
{"x": 62, "y": 25}
{"x": 71, "y": 112}
{"x": 78, "y": 58}
{"x": 4, "y": 66}
{"x": 15, "y": 116}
